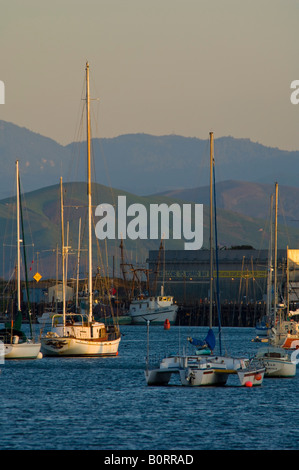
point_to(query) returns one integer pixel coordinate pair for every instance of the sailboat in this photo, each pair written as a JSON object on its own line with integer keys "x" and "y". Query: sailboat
{"x": 77, "y": 334}
{"x": 276, "y": 361}
{"x": 285, "y": 333}
{"x": 204, "y": 367}
{"x": 14, "y": 342}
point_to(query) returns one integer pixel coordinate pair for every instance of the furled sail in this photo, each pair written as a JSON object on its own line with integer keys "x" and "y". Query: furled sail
{"x": 208, "y": 342}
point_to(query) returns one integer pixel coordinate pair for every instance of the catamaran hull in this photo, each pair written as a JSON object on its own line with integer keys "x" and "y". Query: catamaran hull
{"x": 158, "y": 377}
{"x": 255, "y": 377}
{"x": 201, "y": 377}
{"x": 22, "y": 351}
{"x": 65, "y": 346}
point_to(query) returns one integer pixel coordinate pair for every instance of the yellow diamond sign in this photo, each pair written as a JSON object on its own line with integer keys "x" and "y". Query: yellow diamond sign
{"x": 37, "y": 277}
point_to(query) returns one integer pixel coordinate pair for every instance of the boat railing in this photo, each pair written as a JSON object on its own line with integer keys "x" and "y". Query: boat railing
{"x": 70, "y": 318}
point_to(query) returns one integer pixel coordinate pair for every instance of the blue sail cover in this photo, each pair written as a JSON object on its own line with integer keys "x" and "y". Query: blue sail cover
{"x": 209, "y": 341}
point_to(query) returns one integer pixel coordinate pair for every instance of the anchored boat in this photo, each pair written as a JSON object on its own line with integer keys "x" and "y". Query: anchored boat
{"x": 276, "y": 362}
{"x": 73, "y": 334}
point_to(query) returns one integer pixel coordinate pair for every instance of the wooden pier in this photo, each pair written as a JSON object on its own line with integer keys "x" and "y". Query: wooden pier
{"x": 232, "y": 314}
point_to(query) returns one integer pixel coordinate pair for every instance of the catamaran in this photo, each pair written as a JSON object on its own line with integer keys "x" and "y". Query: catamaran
{"x": 204, "y": 367}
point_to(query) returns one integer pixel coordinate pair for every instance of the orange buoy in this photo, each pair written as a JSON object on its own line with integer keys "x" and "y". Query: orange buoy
{"x": 258, "y": 377}
{"x": 248, "y": 384}
{"x": 166, "y": 324}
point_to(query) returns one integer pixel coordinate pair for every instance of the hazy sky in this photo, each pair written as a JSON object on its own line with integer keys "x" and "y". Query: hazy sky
{"x": 157, "y": 66}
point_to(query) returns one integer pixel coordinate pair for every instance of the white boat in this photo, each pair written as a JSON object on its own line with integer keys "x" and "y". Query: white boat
{"x": 155, "y": 309}
{"x": 77, "y": 336}
{"x": 73, "y": 335}
{"x": 14, "y": 343}
{"x": 276, "y": 361}
{"x": 18, "y": 348}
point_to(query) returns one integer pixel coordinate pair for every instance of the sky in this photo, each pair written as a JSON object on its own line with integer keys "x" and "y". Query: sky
{"x": 184, "y": 67}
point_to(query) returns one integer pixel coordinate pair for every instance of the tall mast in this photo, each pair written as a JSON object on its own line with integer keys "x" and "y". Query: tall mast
{"x": 18, "y": 239}
{"x": 211, "y": 229}
{"x": 89, "y": 194}
{"x": 63, "y": 254}
{"x": 275, "y": 253}
{"x": 270, "y": 268}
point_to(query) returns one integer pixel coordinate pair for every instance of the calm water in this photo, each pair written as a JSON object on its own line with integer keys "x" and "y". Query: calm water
{"x": 105, "y": 403}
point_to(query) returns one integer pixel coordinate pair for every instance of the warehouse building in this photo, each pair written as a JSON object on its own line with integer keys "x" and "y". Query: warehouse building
{"x": 242, "y": 274}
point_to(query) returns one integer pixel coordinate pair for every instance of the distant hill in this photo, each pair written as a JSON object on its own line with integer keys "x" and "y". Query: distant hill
{"x": 42, "y": 229}
{"x": 139, "y": 163}
{"x": 249, "y": 199}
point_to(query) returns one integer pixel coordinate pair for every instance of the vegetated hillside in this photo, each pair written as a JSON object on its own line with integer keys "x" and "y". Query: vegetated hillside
{"x": 250, "y": 199}
{"x": 43, "y": 230}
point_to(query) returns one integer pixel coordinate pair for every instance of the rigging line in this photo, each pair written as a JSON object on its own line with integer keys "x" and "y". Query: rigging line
{"x": 104, "y": 160}
{"x": 285, "y": 223}
{"x": 76, "y": 152}
{"x": 78, "y": 133}
{"x": 217, "y": 263}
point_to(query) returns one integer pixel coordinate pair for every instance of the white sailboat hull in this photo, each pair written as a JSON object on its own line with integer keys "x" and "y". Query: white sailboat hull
{"x": 65, "y": 346}
{"x": 276, "y": 362}
{"x": 27, "y": 350}
{"x": 279, "y": 368}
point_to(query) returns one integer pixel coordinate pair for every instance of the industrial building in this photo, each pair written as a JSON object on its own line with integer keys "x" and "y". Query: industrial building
{"x": 242, "y": 274}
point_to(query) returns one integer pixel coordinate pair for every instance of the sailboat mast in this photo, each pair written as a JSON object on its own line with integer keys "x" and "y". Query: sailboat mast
{"x": 275, "y": 252}
{"x": 270, "y": 268}
{"x": 89, "y": 194}
{"x": 18, "y": 239}
{"x": 211, "y": 229}
{"x": 63, "y": 255}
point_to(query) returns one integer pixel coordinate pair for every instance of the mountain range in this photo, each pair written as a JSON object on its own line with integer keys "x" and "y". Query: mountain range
{"x": 247, "y": 198}
{"x": 147, "y": 169}
{"x": 141, "y": 164}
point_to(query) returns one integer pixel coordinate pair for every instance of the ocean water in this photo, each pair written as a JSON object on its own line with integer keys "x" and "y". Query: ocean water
{"x": 105, "y": 404}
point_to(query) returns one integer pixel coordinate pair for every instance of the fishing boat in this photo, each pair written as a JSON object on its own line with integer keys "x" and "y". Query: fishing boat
{"x": 74, "y": 334}
{"x": 156, "y": 309}
{"x": 204, "y": 368}
{"x": 14, "y": 342}
{"x": 276, "y": 361}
